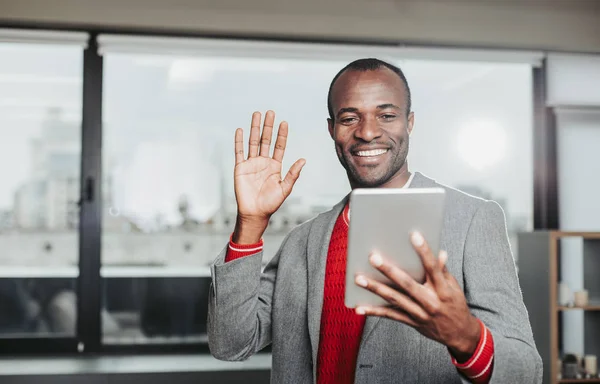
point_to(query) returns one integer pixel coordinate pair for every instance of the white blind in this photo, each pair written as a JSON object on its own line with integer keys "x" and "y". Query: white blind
{"x": 311, "y": 51}
{"x": 573, "y": 80}
{"x": 24, "y": 36}
{"x": 533, "y": 58}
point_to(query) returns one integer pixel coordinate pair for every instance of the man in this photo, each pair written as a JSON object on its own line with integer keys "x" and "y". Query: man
{"x": 466, "y": 323}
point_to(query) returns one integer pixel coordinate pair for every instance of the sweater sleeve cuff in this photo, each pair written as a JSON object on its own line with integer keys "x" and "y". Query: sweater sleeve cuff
{"x": 236, "y": 251}
{"x": 478, "y": 369}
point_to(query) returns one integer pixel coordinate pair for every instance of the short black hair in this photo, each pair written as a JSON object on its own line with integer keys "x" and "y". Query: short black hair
{"x": 369, "y": 64}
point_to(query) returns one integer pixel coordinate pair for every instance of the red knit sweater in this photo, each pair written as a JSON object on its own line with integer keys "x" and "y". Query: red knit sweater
{"x": 341, "y": 328}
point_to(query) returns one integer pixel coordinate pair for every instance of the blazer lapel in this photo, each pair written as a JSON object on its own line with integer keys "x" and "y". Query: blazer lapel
{"x": 419, "y": 181}
{"x": 317, "y": 248}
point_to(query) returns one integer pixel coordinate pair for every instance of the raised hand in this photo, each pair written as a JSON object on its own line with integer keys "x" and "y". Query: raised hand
{"x": 259, "y": 187}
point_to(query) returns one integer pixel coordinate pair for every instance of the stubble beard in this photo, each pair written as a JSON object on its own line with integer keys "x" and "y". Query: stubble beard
{"x": 375, "y": 177}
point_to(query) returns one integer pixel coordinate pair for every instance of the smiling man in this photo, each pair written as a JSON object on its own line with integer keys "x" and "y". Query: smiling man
{"x": 466, "y": 324}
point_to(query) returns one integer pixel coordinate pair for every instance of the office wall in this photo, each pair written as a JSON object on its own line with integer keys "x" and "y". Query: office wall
{"x": 579, "y": 164}
{"x": 579, "y": 167}
{"x": 541, "y": 24}
{"x": 573, "y": 82}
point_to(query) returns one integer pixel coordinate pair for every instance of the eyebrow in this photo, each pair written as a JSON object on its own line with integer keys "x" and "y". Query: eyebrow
{"x": 386, "y": 106}
{"x": 345, "y": 110}
{"x": 354, "y": 110}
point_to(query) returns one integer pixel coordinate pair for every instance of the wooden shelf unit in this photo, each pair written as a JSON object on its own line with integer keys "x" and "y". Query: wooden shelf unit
{"x": 539, "y": 262}
{"x": 594, "y": 307}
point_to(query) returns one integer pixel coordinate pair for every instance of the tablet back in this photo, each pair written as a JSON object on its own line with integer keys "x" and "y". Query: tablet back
{"x": 381, "y": 220}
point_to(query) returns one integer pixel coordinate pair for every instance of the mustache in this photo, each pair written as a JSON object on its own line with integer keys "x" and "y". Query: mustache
{"x": 365, "y": 146}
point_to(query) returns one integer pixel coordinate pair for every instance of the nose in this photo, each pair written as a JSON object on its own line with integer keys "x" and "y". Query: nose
{"x": 368, "y": 129}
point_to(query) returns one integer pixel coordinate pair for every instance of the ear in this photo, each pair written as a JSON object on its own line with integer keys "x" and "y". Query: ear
{"x": 411, "y": 122}
{"x": 330, "y": 126}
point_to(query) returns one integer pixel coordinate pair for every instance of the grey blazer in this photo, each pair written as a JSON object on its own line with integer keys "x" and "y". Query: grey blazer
{"x": 249, "y": 310}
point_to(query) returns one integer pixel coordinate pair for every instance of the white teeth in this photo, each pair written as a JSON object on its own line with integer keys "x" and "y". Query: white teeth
{"x": 373, "y": 152}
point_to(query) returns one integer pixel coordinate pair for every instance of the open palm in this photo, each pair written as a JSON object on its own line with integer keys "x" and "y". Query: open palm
{"x": 259, "y": 187}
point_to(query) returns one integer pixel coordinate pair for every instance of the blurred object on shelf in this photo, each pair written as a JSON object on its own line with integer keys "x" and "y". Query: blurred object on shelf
{"x": 591, "y": 365}
{"x": 564, "y": 294}
{"x": 570, "y": 368}
{"x": 581, "y": 298}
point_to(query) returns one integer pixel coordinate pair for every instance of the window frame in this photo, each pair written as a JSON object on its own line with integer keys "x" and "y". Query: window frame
{"x": 49, "y": 345}
{"x": 88, "y": 337}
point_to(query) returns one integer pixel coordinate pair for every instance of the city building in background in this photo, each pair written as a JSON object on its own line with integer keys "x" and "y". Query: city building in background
{"x": 46, "y": 212}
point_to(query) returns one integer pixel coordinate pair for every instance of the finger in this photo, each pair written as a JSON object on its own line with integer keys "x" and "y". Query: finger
{"x": 239, "y": 145}
{"x": 389, "y": 313}
{"x": 254, "y": 139}
{"x": 442, "y": 260}
{"x": 450, "y": 280}
{"x": 432, "y": 267}
{"x": 292, "y": 175}
{"x": 281, "y": 141}
{"x": 395, "y": 298}
{"x": 453, "y": 284}
{"x": 420, "y": 293}
{"x": 267, "y": 134}
{"x": 443, "y": 264}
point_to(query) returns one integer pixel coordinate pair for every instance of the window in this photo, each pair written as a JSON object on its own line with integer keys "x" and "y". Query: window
{"x": 474, "y": 131}
{"x": 170, "y": 111}
{"x": 40, "y": 152}
{"x": 168, "y": 123}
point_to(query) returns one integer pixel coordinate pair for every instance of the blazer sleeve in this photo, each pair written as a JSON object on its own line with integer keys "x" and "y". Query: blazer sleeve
{"x": 494, "y": 295}
{"x": 239, "y": 307}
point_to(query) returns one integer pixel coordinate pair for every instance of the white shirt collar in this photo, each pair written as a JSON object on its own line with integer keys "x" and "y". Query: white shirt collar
{"x": 410, "y": 179}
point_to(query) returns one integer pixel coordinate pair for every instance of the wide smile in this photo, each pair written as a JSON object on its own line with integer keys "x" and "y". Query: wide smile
{"x": 371, "y": 156}
{"x": 371, "y": 152}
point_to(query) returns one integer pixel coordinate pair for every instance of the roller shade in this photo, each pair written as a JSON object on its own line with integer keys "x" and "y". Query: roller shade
{"x": 573, "y": 80}
{"x": 24, "y": 36}
{"x": 311, "y": 51}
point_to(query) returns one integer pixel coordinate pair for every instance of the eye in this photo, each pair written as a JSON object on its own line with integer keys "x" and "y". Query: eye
{"x": 388, "y": 116}
{"x": 348, "y": 120}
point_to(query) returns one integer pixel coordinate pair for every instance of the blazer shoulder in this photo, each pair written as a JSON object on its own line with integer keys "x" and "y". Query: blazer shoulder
{"x": 454, "y": 196}
{"x": 303, "y": 229}
{"x": 463, "y": 203}
{"x": 463, "y": 199}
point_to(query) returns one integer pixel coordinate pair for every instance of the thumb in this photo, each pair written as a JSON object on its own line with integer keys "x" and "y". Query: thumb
{"x": 292, "y": 175}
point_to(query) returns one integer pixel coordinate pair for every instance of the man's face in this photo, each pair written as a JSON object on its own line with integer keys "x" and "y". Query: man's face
{"x": 370, "y": 127}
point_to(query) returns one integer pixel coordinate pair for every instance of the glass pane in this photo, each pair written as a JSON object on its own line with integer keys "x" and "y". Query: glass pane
{"x": 474, "y": 131}
{"x": 40, "y": 151}
{"x": 168, "y": 157}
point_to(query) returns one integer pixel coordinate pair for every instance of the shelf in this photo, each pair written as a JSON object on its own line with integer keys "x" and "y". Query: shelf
{"x": 540, "y": 293}
{"x": 594, "y": 307}
{"x": 584, "y": 235}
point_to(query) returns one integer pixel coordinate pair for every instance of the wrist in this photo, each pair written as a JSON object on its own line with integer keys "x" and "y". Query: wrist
{"x": 249, "y": 230}
{"x": 469, "y": 339}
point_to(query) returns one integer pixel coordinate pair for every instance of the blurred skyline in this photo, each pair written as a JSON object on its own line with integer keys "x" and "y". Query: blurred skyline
{"x": 169, "y": 123}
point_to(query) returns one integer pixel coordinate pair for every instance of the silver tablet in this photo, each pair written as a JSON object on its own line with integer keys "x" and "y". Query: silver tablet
{"x": 381, "y": 219}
